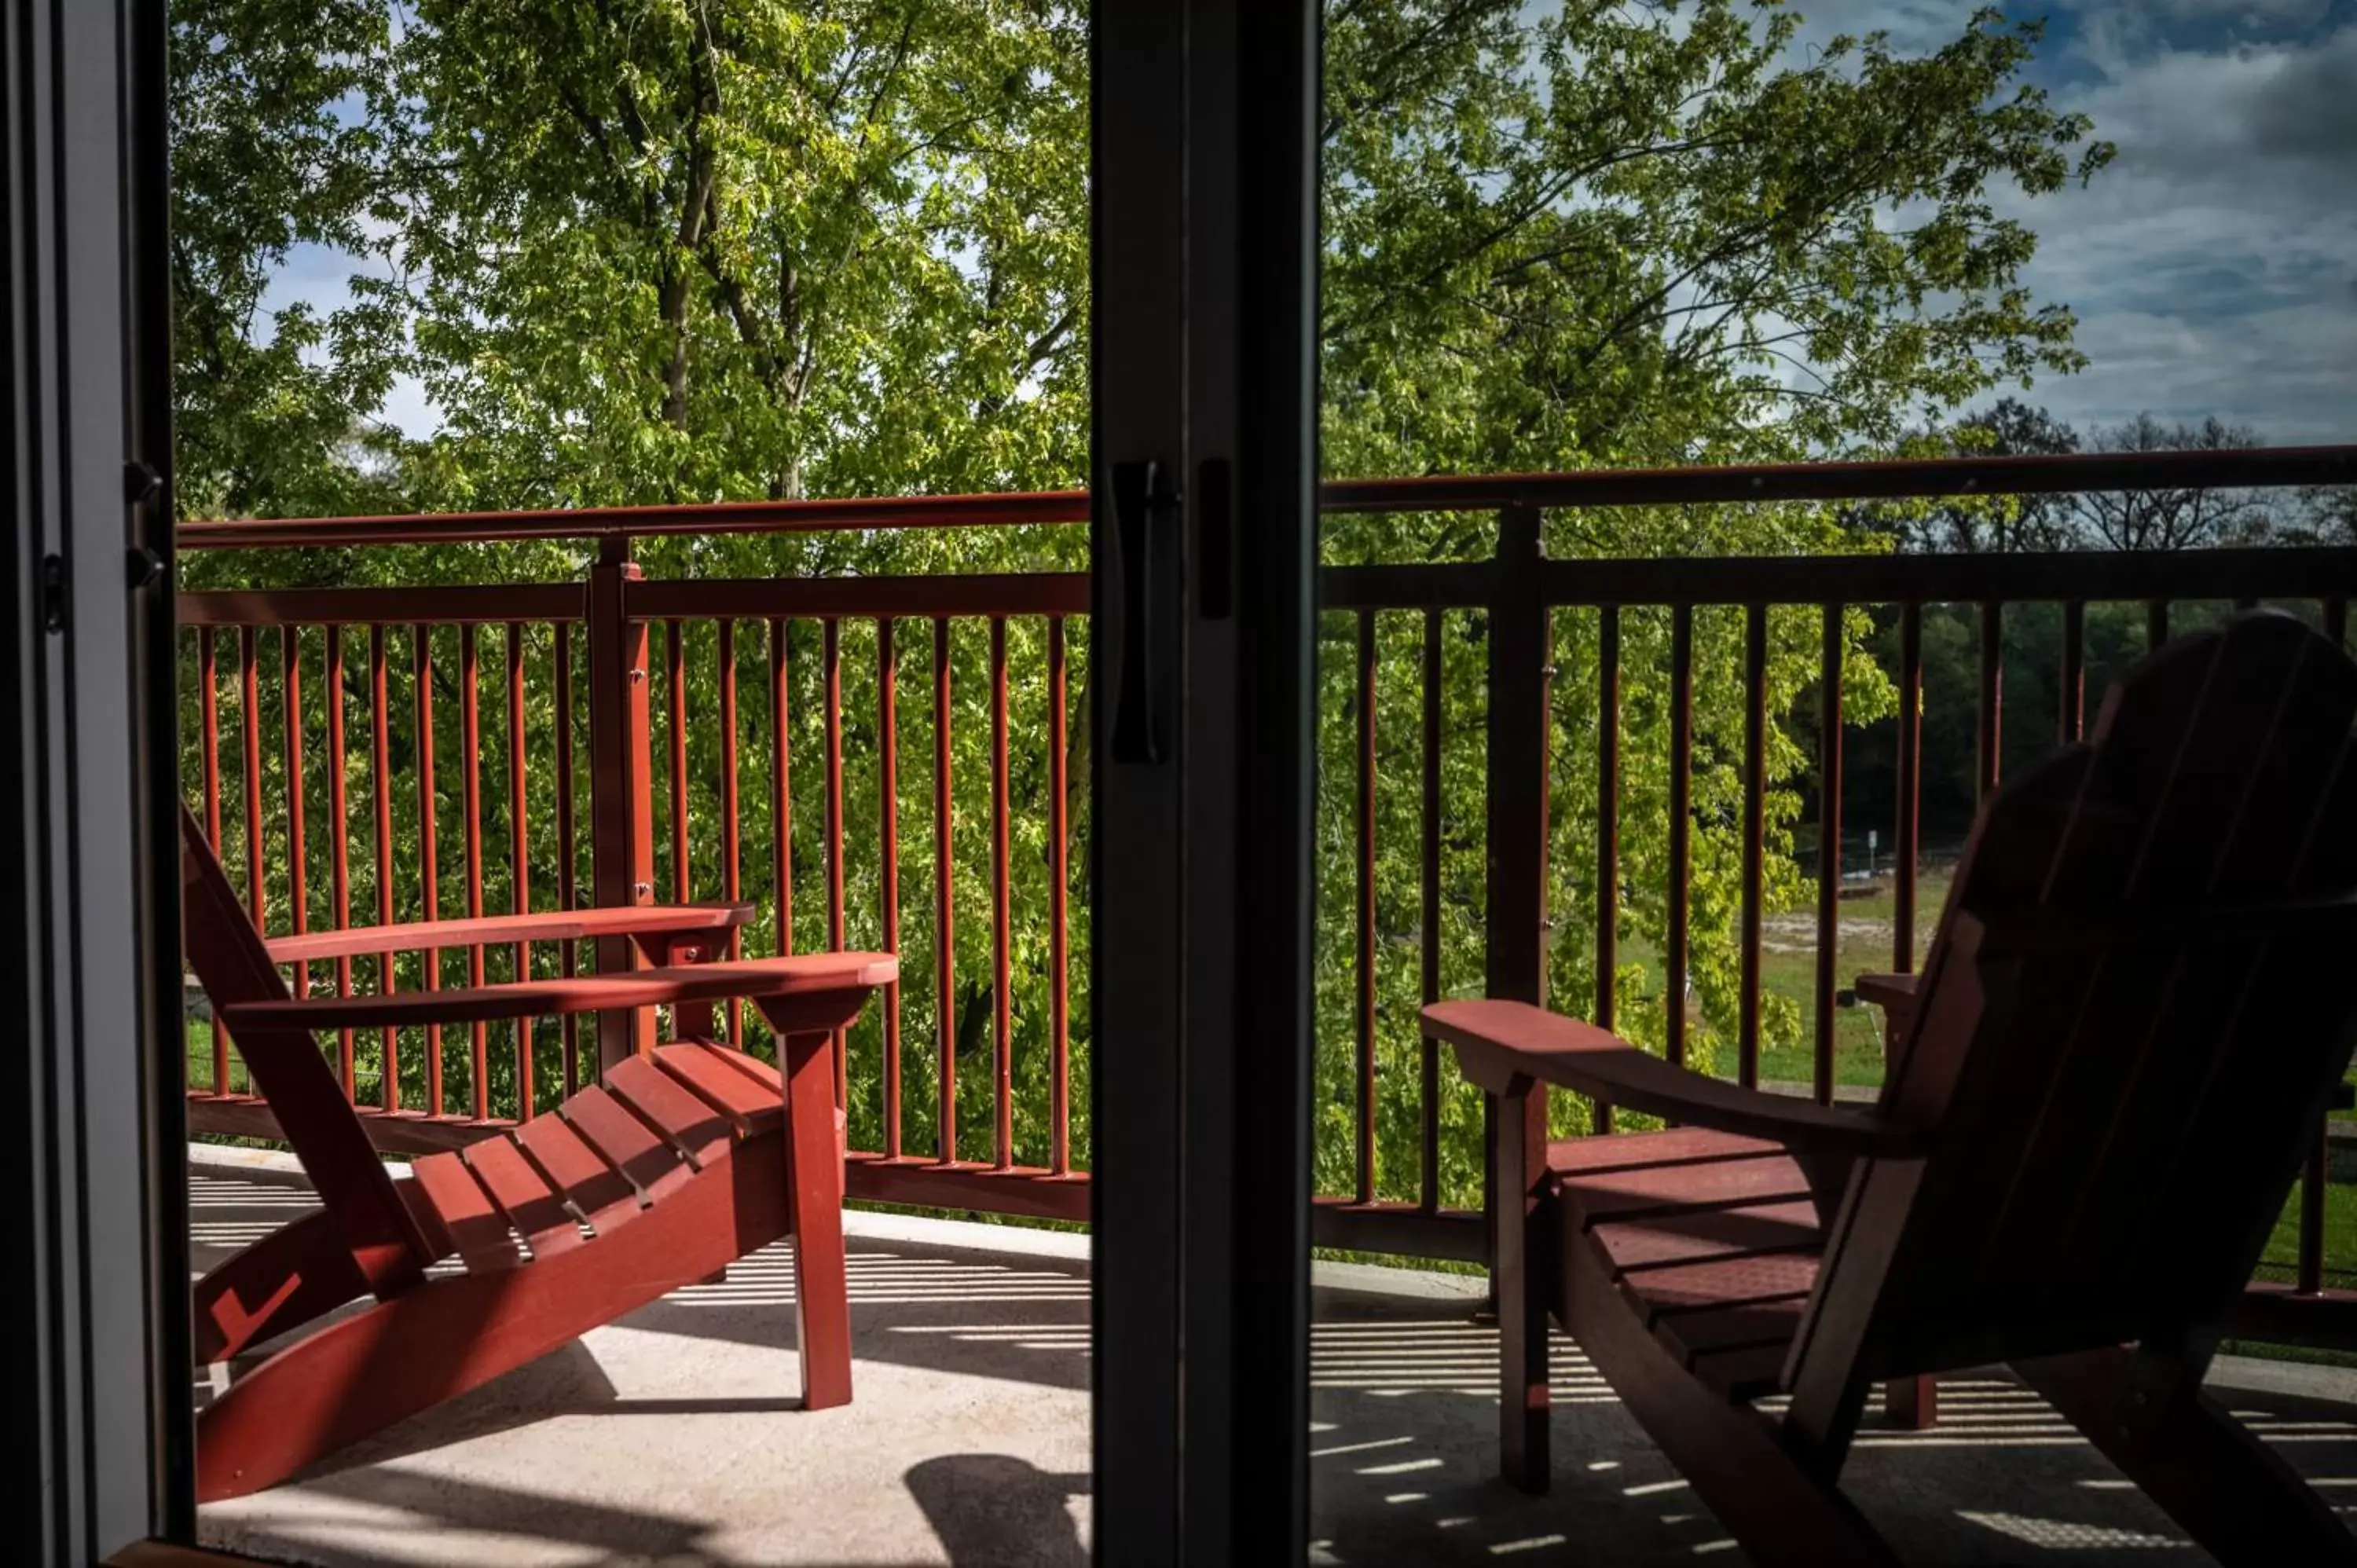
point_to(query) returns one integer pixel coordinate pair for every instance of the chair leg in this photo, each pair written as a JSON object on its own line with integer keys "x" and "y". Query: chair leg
{"x": 815, "y": 1189}
{"x": 1522, "y": 1256}
{"x": 1912, "y": 1402}
{"x": 1740, "y": 1467}
{"x": 2230, "y": 1491}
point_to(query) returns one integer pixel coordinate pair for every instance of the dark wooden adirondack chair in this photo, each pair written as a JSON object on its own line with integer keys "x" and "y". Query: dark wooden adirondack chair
{"x": 2137, "y": 1006}
{"x": 683, "y": 1161}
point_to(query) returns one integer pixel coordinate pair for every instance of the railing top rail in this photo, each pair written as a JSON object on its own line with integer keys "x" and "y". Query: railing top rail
{"x": 831, "y": 516}
{"x": 2114, "y": 577}
{"x": 2299, "y": 573}
{"x": 1889, "y": 480}
{"x": 2074, "y": 472}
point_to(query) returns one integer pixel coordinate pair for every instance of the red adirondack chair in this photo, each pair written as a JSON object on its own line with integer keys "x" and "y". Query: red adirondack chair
{"x": 2136, "y": 1010}
{"x": 681, "y": 1161}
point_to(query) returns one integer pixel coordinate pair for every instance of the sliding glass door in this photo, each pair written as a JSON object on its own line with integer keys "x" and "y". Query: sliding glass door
{"x": 1202, "y": 464}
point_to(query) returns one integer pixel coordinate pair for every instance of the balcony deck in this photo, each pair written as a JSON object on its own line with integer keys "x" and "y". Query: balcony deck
{"x": 672, "y": 1438}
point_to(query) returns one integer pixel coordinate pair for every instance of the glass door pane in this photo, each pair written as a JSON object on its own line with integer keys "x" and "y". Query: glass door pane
{"x": 1751, "y": 435}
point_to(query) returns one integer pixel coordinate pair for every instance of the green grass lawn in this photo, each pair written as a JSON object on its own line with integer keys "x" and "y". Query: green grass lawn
{"x": 2282, "y": 1256}
{"x": 201, "y": 1059}
{"x": 1788, "y": 968}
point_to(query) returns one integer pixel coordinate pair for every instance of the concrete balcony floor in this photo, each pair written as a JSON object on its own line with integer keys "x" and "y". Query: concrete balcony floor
{"x": 672, "y": 1437}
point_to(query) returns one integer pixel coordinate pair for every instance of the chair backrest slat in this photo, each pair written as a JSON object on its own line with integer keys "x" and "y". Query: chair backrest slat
{"x": 2117, "y": 1131}
{"x": 294, "y": 1075}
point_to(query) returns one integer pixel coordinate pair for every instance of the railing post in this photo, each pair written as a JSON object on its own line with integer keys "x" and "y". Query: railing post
{"x": 621, "y": 811}
{"x": 1515, "y": 966}
{"x": 1516, "y": 814}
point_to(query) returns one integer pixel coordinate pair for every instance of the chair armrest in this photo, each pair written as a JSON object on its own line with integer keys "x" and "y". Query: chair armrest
{"x": 1505, "y": 1047}
{"x": 1894, "y": 994}
{"x": 762, "y": 980}
{"x": 496, "y": 930}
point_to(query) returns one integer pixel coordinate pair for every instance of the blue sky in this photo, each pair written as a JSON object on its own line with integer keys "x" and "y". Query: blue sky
{"x": 2213, "y": 266}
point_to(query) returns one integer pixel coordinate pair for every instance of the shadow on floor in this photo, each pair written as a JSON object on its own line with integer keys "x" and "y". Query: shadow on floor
{"x": 1403, "y": 1456}
{"x": 992, "y": 1511}
{"x": 1403, "y": 1466}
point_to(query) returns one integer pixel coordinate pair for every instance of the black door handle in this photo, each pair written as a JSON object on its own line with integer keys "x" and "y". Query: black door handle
{"x": 1142, "y": 495}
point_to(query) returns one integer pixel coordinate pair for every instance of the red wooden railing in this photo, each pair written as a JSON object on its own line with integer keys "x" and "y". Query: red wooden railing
{"x": 579, "y": 655}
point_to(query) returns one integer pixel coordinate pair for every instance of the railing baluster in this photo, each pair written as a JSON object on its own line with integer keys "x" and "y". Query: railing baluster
{"x": 732, "y": 852}
{"x": 1366, "y": 869}
{"x": 1059, "y": 873}
{"x": 568, "y": 957}
{"x": 944, "y": 900}
{"x": 2310, "y": 1269}
{"x": 781, "y": 803}
{"x": 1755, "y": 831}
{"x": 1989, "y": 717}
{"x": 428, "y": 861}
{"x": 1905, "y": 838}
{"x": 2156, "y": 623}
{"x": 249, "y": 734}
{"x": 290, "y": 694}
{"x": 888, "y": 820}
{"x": 831, "y": 651}
{"x": 520, "y": 859}
{"x": 1829, "y": 817}
{"x": 1680, "y": 826}
{"x": 1002, "y": 1012}
{"x": 2073, "y": 724}
{"x": 1429, "y": 908}
{"x": 470, "y": 747}
{"x": 675, "y": 719}
{"x": 691, "y": 1020}
{"x": 208, "y": 701}
{"x": 208, "y": 711}
{"x": 1608, "y": 833}
{"x": 340, "y": 820}
{"x": 2310, "y": 1260}
{"x": 380, "y": 787}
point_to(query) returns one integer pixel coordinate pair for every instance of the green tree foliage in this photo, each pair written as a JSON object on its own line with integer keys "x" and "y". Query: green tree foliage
{"x": 1617, "y": 234}
{"x": 273, "y": 145}
{"x": 696, "y": 252}
{"x": 645, "y": 251}
{"x": 1603, "y": 234}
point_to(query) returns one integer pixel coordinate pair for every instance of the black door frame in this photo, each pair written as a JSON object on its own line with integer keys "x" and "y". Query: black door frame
{"x": 1204, "y": 465}
{"x": 91, "y": 1102}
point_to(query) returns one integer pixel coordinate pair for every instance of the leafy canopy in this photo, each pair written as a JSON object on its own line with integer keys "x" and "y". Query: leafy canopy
{"x": 648, "y": 251}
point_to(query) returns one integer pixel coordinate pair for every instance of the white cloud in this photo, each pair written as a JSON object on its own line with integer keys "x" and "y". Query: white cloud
{"x": 2214, "y": 267}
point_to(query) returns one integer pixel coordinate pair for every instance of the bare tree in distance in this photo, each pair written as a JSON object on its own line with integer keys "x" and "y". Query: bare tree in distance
{"x": 2325, "y": 514}
{"x": 2181, "y": 516}
{"x": 2006, "y": 428}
